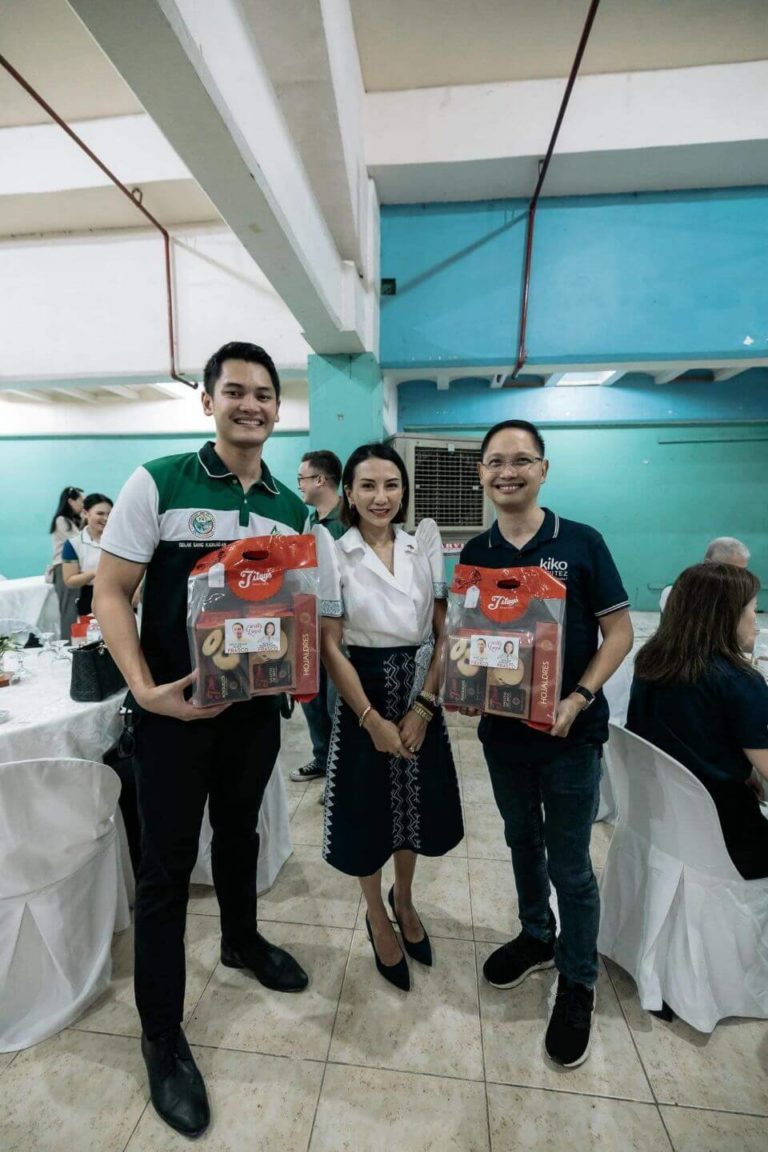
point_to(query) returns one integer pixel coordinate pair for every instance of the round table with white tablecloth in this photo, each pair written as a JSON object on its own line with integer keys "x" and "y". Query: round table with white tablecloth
{"x": 32, "y": 600}
{"x": 45, "y": 722}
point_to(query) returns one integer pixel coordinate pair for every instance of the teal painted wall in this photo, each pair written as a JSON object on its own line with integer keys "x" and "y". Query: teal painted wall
{"x": 654, "y": 276}
{"x": 615, "y": 278}
{"x": 346, "y": 402}
{"x": 33, "y": 471}
{"x": 659, "y": 495}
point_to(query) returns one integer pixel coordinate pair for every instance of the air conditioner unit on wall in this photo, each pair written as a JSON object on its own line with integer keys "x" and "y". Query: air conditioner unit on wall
{"x": 444, "y": 484}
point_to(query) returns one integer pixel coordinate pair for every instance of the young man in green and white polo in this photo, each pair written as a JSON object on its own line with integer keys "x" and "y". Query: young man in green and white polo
{"x": 169, "y": 514}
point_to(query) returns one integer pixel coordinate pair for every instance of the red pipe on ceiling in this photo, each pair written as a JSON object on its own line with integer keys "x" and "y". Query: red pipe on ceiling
{"x": 174, "y": 374}
{"x": 543, "y": 169}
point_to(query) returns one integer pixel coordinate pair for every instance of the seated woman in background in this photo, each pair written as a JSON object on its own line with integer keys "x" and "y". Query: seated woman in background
{"x": 81, "y": 553}
{"x": 67, "y": 521}
{"x": 697, "y": 698}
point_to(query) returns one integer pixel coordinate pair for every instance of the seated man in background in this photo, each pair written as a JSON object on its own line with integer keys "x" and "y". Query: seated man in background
{"x": 722, "y": 550}
{"x": 696, "y": 697}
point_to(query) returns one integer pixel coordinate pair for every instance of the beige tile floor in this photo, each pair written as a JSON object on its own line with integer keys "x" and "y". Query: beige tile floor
{"x": 353, "y": 1064}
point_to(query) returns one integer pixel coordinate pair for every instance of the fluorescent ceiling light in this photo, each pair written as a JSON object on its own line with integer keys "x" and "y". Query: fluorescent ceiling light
{"x": 576, "y": 379}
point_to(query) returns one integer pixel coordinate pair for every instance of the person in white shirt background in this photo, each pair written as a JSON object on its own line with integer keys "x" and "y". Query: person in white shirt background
{"x": 67, "y": 521}
{"x": 81, "y": 553}
{"x": 722, "y": 550}
{"x": 392, "y": 789}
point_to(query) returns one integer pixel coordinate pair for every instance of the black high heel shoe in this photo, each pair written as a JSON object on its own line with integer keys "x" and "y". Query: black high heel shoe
{"x": 422, "y": 950}
{"x": 396, "y": 974}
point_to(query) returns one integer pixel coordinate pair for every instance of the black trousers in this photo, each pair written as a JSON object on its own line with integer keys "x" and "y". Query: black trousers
{"x": 227, "y": 761}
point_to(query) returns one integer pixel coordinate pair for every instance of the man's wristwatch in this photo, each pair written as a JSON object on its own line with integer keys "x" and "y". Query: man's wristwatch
{"x": 585, "y": 692}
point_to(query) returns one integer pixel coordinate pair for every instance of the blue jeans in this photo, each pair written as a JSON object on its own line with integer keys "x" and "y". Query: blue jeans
{"x": 319, "y": 715}
{"x": 548, "y": 809}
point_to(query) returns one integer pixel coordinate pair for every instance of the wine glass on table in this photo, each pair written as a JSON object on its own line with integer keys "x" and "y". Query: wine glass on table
{"x": 61, "y": 650}
{"x": 47, "y": 650}
{"x": 14, "y": 659}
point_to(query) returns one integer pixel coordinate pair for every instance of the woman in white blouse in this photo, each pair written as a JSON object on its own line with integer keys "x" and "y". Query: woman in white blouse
{"x": 67, "y": 521}
{"x": 81, "y": 553}
{"x": 391, "y": 786}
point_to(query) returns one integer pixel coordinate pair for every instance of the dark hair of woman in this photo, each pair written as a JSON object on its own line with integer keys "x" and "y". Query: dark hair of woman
{"x": 350, "y": 516}
{"x": 698, "y": 625}
{"x": 96, "y": 498}
{"x": 63, "y": 508}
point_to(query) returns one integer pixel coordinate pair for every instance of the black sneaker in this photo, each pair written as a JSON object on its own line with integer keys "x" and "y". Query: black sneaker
{"x": 569, "y": 1032}
{"x": 509, "y": 965}
{"x": 311, "y": 771}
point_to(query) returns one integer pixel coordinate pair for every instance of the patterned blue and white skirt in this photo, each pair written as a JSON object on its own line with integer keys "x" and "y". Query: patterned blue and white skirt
{"x": 377, "y": 804}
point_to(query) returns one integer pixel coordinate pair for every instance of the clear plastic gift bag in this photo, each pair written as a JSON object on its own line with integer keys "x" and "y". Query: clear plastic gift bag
{"x": 252, "y": 620}
{"x": 503, "y": 653}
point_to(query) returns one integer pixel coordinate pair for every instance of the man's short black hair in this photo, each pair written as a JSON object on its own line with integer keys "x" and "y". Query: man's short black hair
{"x": 326, "y": 462}
{"x": 239, "y": 350}
{"x": 522, "y": 425}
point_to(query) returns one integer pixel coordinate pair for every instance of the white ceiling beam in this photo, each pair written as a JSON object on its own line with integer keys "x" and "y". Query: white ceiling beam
{"x": 310, "y": 51}
{"x": 166, "y": 390}
{"x": 198, "y": 71}
{"x": 84, "y": 396}
{"x": 551, "y": 372}
{"x": 612, "y": 379}
{"x": 443, "y": 380}
{"x": 666, "y": 128}
{"x": 38, "y": 397}
{"x": 41, "y": 158}
{"x": 122, "y": 391}
{"x": 721, "y": 374}
{"x": 670, "y": 375}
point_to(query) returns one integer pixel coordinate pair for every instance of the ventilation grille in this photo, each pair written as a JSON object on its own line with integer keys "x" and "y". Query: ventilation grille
{"x": 446, "y": 487}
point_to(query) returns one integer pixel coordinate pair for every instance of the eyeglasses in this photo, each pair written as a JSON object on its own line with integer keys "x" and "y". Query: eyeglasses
{"x": 519, "y": 463}
{"x": 312, "y": 476}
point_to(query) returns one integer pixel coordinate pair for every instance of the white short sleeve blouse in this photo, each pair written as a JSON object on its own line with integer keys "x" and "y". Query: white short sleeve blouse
{"x": 382, "y": 609}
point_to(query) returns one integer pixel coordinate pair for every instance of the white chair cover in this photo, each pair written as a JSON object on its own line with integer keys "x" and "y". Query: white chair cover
{"x": 676, "y": 914}
{"x": 616, "y": 690}
{"x": 62, "y": 893}
{"x": 274, "y": 830}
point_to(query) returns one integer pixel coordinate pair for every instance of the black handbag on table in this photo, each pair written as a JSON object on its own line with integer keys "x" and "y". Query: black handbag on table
{"x": 95, "y": 676}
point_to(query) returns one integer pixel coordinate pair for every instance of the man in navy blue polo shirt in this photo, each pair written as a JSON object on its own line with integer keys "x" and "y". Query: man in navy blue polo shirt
{"x": 558, "y": 771}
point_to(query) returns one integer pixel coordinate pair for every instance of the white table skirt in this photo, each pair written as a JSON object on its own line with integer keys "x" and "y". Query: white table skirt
{"x": 45, "y": 722}
{"x": 32, "y": 600}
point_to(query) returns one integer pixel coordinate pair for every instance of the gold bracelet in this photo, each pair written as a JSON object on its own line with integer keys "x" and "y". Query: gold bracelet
{"x": 363, "y": 714}
{"x": 432, "y": 697}
{"x": 422, "y": 712}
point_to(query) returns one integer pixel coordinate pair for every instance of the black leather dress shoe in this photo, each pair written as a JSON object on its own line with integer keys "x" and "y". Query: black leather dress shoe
{"x": 272, "y": 966}
{"x": 422, "y": 949}
{"x": 175, "y": 1084}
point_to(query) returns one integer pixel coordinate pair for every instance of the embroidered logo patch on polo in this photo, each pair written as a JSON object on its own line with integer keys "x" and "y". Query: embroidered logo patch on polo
{"x": 202, "y": 523}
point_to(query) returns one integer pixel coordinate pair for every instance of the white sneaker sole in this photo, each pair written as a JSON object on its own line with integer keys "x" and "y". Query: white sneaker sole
{"x": 514, "y": 983}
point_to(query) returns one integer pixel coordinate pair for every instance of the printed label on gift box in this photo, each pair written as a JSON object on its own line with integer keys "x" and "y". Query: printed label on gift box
{"x": 494, "y": 651}
{"x": 261, "y": 634}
